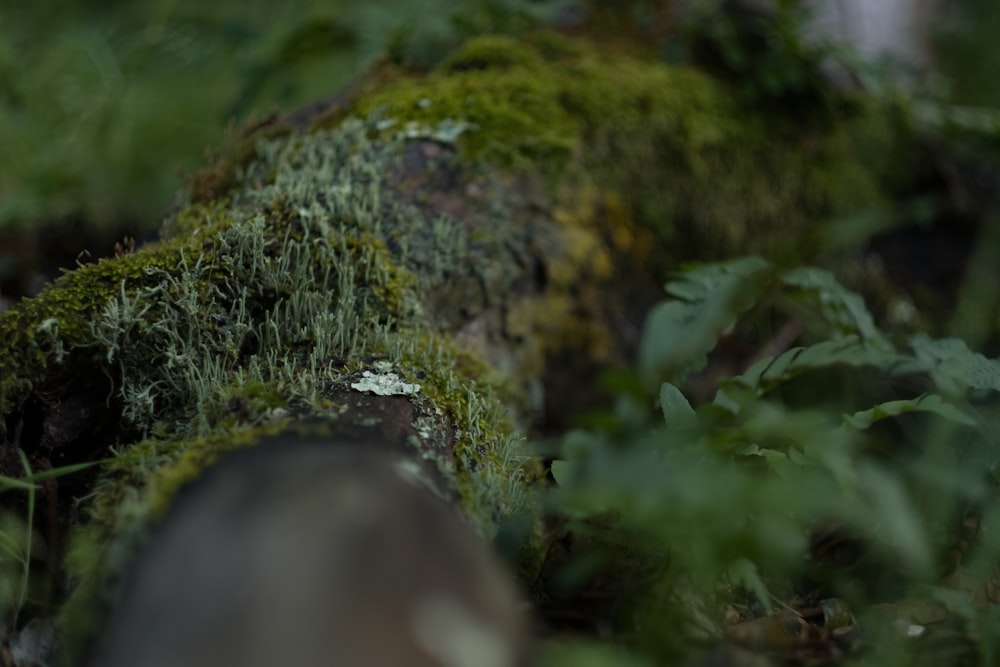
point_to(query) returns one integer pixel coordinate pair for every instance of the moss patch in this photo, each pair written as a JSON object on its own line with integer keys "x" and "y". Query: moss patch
{"x": 707, "y": 175}
{"x": 536, "y": 103}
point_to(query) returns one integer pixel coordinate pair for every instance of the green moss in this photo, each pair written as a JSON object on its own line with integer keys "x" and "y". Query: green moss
{"x": 492, "y": 471}
{"x": 42, "y": 333}
{"x": 159, "y": 467}
{"x": 705, "y": 174}
{"x": 493, "y": 53}
{"x": 538, "y": 102}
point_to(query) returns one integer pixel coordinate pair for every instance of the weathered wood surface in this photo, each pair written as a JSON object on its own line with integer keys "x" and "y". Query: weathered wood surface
{"x": 314, "y": 552}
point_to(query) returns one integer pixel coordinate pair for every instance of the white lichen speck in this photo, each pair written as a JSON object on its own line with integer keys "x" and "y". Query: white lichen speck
{"x": 385, "y": 382}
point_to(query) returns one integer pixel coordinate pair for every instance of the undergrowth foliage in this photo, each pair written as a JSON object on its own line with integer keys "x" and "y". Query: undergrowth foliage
{"x": 886, "y": 443}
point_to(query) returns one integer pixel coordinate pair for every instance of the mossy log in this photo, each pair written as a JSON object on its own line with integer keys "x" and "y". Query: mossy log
{"x": 435, "y": 264}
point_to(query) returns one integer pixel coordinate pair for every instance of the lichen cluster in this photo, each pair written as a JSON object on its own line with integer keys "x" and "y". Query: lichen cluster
{"x": 263, "y": 310}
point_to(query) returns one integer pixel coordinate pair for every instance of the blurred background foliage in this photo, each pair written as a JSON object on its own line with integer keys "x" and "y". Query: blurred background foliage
{"x": 101, "y": 104}
{"x": 967, "y": 56}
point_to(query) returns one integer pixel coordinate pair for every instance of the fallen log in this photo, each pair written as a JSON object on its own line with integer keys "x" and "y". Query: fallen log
{"x": 416, "y": 275}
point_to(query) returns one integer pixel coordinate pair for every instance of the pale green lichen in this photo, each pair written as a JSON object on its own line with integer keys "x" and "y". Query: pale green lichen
{"x": 250, "y": 314}
{"x": 333, "y": 289}
{"x": 383, "y": 382}
{"x": 279, "y": 298}
{"x": 263, "y": 307}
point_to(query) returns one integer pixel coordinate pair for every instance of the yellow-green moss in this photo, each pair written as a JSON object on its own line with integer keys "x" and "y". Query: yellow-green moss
{"x": 535, "y": 104}
{"x": 41, "y": 333}
{"x": 492, "y": 471}
{"x": 706, "y": 175}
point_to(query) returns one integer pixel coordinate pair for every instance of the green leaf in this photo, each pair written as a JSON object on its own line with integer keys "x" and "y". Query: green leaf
{"x": 561, "y": 471}
{"x": 841, "y": 307}
{"x": 849, "y": 351}
{"x": 890, "y": 517}
{"x": 954, "y": 367}
{"x": 43, "y": 475}
{"x": 699, "y": 281}
{"x": 926, "y": 403}
{"x": 27, "y": 483}
{"x": 956, "y": 601}
{"x": 676, "y": 409}
{"x": 679, "y": 334}
{"x": 744, "y": 572}
{"x": 11, "y": 484}
{"x": 10, "y": 545}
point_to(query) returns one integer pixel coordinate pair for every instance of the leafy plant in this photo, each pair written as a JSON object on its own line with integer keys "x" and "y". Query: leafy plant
{"x": 16, "y": 538}
{"x": 726, "y": 508}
